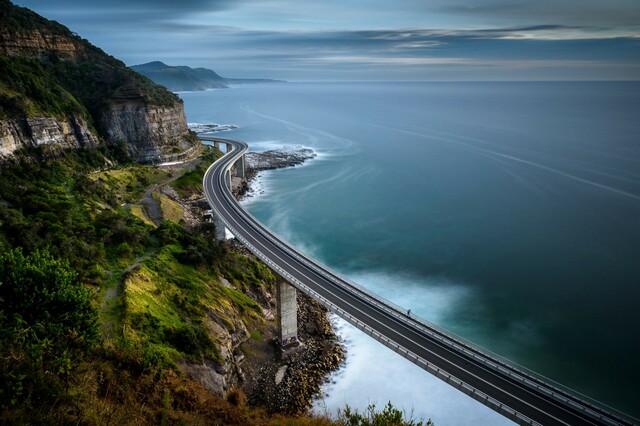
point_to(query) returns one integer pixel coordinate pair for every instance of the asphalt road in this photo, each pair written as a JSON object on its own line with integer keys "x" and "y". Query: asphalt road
{"x": 517, "y": 394}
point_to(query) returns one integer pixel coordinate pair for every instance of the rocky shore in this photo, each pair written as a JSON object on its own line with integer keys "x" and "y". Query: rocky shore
{"x": 288, "y": 382}
{"x": 210, "y": 128}
{"x": 279, "y": 158}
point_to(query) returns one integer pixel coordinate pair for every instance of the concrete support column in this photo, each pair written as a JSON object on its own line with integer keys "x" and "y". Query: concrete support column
{"x": 229, "y": 147}
{"x": 287, "y": 314}
{"x": 240, "y": 167}
{"x": 216, "y": 144}
{"x": 220, "y": 228}
{"x": 227, "y": 179}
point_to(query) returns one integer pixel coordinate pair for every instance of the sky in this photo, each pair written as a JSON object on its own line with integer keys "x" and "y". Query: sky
{"x": 367, "y": 39}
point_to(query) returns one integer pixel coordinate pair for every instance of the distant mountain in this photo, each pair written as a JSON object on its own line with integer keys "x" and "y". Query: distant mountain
{"x": 181, "y": 78}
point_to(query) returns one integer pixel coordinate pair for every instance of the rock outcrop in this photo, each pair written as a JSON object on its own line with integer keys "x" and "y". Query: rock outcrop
{"x": 36, "y": 44}
{"x": 34, "y": 132}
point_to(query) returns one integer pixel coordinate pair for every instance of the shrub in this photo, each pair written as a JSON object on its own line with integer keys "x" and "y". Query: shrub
{"x": 237, "y": 397}
{"x": 389, "y": 416}
{"x": 47, "y": 322}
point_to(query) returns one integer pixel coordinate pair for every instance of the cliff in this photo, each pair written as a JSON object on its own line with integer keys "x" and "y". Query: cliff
{"x": 178, "y": 78}
{"x": 57, "y": 90}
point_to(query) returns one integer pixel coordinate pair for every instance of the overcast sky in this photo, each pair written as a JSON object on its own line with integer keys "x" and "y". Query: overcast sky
{"x": 367, "y": 39}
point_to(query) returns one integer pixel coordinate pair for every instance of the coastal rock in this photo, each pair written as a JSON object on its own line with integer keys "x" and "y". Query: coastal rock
{"x": 207, "y": 374}
{"x": 286, "y": 156}
{"x": 210, "y": 128}
{"x": 279, "y": 158}
{"x": 287, "y": 384}
{"x": 33, "y": 132}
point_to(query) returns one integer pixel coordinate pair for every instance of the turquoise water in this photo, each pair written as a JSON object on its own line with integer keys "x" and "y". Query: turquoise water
{"x": 508, "y": 213}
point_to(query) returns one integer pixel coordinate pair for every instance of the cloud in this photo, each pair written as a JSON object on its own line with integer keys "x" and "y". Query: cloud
{"x": 569, "y": 12}
{"x": 215, "y": 34}
{"x": 147, "y": 5}
{"x": 115, "y": 13}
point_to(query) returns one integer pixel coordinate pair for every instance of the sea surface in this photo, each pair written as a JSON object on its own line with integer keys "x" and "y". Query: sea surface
{"x": 508, "y": 213}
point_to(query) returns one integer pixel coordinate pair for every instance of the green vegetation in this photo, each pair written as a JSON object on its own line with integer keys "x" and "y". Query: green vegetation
{"x": 191, "y": 182}
{"x": 98, "y": 307}
{"x": 47, "y": 322}
{"x": 27, "y": 89}
{"x": 17, "y": 18}
{"x": 130, "y": 183}
{"x": 388, "y": 416}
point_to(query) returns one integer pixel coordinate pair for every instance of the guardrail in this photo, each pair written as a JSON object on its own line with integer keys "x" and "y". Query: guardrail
{"x": 490, "y": 359}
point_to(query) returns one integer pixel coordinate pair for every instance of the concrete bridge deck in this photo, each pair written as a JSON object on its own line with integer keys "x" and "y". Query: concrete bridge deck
{"x": 516, "y": 393}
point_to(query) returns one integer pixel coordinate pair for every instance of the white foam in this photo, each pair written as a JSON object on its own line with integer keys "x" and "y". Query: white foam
{"x": 259, "y": 189}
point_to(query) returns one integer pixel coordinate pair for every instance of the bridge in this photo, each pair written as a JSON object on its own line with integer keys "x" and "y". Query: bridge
{"x": 509, "y": 389}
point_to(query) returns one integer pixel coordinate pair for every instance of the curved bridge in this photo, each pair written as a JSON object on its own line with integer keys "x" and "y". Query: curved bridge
{"x": 514, "y": 392}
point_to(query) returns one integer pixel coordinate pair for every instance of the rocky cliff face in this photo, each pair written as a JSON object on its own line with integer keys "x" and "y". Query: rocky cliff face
{"x": 33, "y": 132}
{"x": 152, "y": 133}
{"x": 56, "y": 87}
{"x": 36, "y": 44}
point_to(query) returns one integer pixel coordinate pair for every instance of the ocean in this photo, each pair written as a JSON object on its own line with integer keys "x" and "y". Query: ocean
{"x": 505, "y": 212}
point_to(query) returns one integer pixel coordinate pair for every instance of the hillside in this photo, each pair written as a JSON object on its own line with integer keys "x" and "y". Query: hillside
{"x": 117, "y": 305}
{"x": 58, "y": 91}
{"x": 183, "y": 78}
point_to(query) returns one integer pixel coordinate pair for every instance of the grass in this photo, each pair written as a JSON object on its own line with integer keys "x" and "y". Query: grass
{"x": 138, "y": 212}
{"x": 170, "y": 209}
{"x": 147, "y": 293}
{"x": 130, "y": 183}
{"x": 191, "y": 181}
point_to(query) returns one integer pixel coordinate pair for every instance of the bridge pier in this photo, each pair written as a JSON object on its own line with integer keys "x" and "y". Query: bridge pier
{"x": 229, "y": 147}
{"x": 216, "y": 144}
{"x": 220, "y": 228}
{"x": 240, "y": 167}
{"x": 287, "y": 315}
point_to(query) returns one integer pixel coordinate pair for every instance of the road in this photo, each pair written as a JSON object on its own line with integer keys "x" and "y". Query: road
{"x": 514, "y": 392}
